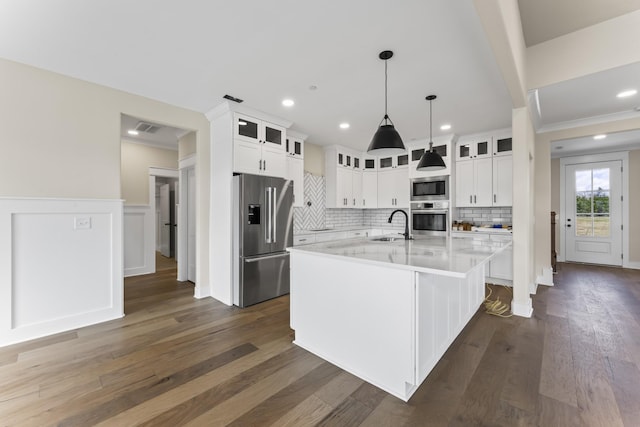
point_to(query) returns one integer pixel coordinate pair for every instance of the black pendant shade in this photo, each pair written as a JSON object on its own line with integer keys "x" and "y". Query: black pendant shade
{"x": 430, "y": 160}
{"x": 386, "y": 141}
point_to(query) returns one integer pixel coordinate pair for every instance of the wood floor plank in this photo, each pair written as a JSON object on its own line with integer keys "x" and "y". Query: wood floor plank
{"x": 229, "y": 396}
{"x": 125, "y": 401}
{"x": 577, "y": 362}
{"x": 557, "y": 375}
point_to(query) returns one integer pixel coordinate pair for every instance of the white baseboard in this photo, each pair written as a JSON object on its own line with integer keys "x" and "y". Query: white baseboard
{"x": 61, "y": 265}
{"x": 522, "y": 310}
{"x": 632, "y": 264}
{"x": 546, "y": 278}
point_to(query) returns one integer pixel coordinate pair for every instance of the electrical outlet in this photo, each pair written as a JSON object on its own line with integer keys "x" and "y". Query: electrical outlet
{"x": 82, "y": 222}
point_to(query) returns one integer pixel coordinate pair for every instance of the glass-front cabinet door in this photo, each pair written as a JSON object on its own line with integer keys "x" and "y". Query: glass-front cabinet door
{"x": 246, "y": 128}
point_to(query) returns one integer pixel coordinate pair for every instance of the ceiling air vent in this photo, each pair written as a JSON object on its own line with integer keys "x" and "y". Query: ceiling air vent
{"x": 233, "y": 98}
{"x": 147, "y": 127}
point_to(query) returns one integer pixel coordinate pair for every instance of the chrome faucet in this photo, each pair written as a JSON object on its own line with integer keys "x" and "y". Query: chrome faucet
{"x": 406, "y": 223}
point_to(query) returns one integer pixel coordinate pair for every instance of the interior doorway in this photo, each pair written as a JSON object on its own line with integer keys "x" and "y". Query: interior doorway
{"x": 167, "y": 196}
{"x": 592, "y": 209}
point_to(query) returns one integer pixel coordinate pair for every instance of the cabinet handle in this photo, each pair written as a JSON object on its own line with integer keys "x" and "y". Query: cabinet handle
{"x": 302, "y": 240}
{"x": 364, "y": 202}
{"x": 354, "y": 202}
{"x": 494, "y": 198}
{"x": 260, "y": 164}
{"x": 474, "y": 199}
{"x": 470, "y": 199}
{"x": 264, "y": 162}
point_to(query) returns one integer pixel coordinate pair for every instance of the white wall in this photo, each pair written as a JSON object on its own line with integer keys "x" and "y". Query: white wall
{"x": 136, "y": 159}
{"x": 60, "y": 265}
{"x": 61, "y": 139}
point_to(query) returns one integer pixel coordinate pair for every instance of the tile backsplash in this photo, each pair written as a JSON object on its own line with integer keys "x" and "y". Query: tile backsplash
{"x": 484, "y": 216}
{"x": 314, "y": 213}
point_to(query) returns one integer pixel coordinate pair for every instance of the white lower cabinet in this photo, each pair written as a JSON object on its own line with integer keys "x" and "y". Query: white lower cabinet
{"x": 500, "y": 268}
{"x": 369, "y": 189}
{"x": 474, "y": 183}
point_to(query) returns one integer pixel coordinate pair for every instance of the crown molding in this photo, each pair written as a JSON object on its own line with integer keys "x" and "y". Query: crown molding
{"x": 226, "y": 107}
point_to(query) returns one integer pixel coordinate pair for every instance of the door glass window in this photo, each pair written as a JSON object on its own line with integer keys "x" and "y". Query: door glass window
{"x": 504, "y": 145}
{"x": 593, "y": 192}
{"x": 416, "y": 155}
{"x": 441, "y": 150}
{"x": 247, "y": 128}
{"x": 483, "y": 148}
{"x": 274, "y": 136}
{"x": 386, "y": 162}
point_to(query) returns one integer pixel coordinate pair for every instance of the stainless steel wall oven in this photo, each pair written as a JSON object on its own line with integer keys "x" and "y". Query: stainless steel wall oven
{"x": 430, "y": 218}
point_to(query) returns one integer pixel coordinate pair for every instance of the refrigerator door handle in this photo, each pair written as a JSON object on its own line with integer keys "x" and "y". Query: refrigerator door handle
{"x": 266, "y": 257}
{"x": 274, "y": 220}
{"x": 268, "y": 215}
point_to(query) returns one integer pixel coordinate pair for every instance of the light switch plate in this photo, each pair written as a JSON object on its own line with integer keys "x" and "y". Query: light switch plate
{"x": 82, "y": 222}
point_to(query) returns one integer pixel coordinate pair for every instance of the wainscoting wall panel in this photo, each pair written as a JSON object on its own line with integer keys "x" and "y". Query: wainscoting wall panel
{"x": 60, "y": 265}
{"x": 139, "y": 240}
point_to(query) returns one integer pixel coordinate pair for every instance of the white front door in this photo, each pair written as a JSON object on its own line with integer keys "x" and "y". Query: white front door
{"x": 165, "y": 221}
{"x": 593, "y": 212}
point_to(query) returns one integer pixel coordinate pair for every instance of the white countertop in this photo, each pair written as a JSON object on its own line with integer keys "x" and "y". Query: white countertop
{"x": 449, "y": 256}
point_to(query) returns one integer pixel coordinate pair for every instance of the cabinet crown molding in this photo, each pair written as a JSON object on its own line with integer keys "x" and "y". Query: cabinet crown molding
{"x": 226, "y": 107}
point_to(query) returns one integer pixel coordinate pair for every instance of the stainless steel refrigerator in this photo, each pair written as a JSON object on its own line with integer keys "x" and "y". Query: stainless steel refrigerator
{"x": 263, "y": 229}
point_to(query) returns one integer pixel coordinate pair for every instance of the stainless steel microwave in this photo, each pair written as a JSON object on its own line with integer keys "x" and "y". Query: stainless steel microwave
{"x": 431, "y": 188}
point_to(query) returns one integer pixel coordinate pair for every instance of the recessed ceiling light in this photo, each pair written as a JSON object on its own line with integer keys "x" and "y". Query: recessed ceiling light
{"x": 344, "y": 125}
{"x": 288, "y": 102}
{"x": 132, "y": 132}
{"x": 627, "y": 93}
{"x": 601, "y": 136}
{"x": 445, "y": 127}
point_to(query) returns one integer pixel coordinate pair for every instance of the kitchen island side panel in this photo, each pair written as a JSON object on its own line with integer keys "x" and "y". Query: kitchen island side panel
{"x": 358, "y": 317}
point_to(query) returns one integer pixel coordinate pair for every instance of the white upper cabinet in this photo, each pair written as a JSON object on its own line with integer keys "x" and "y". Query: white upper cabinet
{"x": 369, "y": 189}
{"x": 484, "y": 170}
{"x": 393, "y": 188}
{"x": 294, "y": 146}
{"x": 473, "y": 147}
{"x": 343, "y": 178}
{"x": 259, "y": 147}
{"x": 399, "y": 161}
{"x": 503, "y": 180}
{"x": 502, "y": 144}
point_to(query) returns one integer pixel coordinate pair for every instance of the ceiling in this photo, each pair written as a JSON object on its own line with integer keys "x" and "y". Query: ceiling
{"x": 588, "y": 145}
{"x": 191, "y": 53}
{"x": 163, "y": 137}
{"x": 544, "y": 20}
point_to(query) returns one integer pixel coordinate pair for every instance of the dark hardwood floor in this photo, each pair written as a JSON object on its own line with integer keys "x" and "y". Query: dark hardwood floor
{"x": 174, "y": 360}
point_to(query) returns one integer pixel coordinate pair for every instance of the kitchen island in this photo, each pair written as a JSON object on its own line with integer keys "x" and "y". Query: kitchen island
{"x": 386, "y": 311}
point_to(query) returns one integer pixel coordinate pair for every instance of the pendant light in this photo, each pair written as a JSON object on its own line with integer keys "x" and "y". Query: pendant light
{"x": 386, "y": 141}
{"x": 430, "y": 160}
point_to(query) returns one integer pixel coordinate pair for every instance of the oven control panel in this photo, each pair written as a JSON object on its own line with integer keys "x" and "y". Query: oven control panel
{"x": 437, "y": 204}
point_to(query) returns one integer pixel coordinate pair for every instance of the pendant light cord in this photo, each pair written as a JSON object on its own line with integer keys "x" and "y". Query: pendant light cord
{"x": 386, "y": 116}
{"x": 430, "y": 126}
